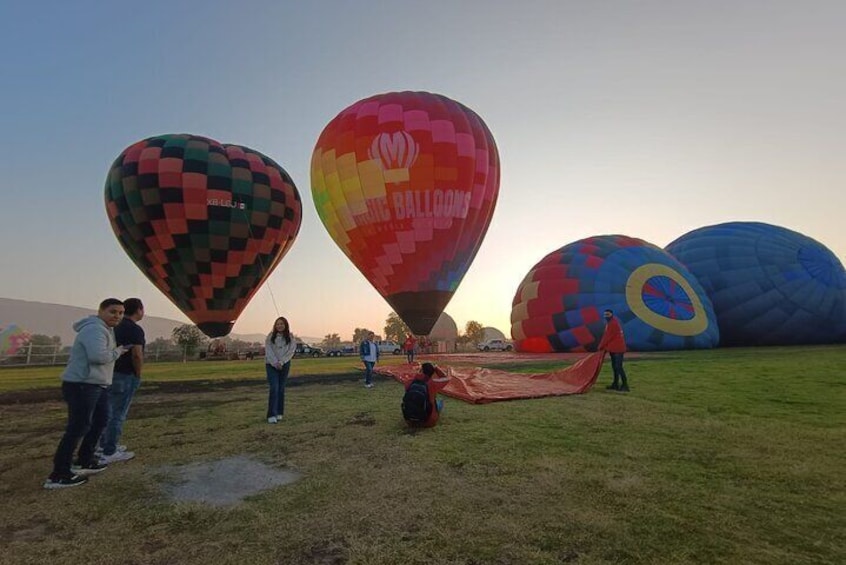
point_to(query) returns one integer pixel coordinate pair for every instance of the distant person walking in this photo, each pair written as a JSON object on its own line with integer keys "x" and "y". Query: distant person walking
{"x": 409, "y": 346}
{"x": 85, "y": 383}
{"x": 421, "y": 406}
{"x": 614, "y": 342}
{"x": 279, "y": 348}
{"x": 369, "y": 353}
{"x": 125, "y": 381}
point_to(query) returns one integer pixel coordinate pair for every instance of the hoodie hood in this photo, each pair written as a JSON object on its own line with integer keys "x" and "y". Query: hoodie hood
{"x": 87, "y": 321}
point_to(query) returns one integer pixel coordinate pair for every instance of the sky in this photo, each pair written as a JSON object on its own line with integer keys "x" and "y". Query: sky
{"x": 643, "y": 118}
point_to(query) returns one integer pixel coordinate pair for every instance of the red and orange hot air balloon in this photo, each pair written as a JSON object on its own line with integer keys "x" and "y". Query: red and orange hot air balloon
{"x": 207, "y": 223}
{"x": 406, "y": 184}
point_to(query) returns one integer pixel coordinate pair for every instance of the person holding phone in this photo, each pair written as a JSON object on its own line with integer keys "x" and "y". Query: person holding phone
{"x": 85, "y": 387}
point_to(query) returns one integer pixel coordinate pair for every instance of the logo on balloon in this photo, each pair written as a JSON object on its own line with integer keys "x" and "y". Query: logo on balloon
{"x": 225, "y": 203}
{"x": 396, "y": 153}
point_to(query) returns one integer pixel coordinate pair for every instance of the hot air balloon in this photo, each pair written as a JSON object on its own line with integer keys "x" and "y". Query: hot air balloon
{"x": 207, "y": 223}
{"x": 12, "y": 338}
{"x": 406, "y": 184}
{"x": 661, "y": 306}
{"x": 769, "y": 285}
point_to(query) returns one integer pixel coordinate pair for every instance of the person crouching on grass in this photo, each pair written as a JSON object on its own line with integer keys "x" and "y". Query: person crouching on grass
{"x": 85, "y": 388}
{"x": 421, "y": 406}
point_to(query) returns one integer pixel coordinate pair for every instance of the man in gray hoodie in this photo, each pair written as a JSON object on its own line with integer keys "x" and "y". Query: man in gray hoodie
{"x": 85, "y": 383}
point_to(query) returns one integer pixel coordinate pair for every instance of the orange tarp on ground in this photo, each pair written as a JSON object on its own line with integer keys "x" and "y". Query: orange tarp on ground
{"x": 478, "y": 385}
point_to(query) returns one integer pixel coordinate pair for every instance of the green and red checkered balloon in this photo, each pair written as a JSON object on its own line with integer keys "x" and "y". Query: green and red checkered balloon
{"x": 206, "y": 222}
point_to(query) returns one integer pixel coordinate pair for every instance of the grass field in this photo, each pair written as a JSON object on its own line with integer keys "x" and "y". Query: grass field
{"x": 726, "y": 456}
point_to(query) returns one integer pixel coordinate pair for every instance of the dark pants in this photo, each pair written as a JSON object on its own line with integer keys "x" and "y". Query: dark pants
{"x": 409, "y": 354}
{"x": 277, "y": 378}
{"x": 617, "y": 366}
{"x": 88, "y": 414}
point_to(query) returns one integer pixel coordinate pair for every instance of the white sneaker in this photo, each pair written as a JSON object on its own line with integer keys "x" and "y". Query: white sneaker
{"x": 117, "y": 456}
{"x": 279, "y": 417}
{"x": 99, "y": 451}
{"x": 368, "y": 385}
{"x": 272, "y": 420}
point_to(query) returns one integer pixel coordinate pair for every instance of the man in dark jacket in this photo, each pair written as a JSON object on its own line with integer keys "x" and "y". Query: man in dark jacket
{"x": 125, "y": 381}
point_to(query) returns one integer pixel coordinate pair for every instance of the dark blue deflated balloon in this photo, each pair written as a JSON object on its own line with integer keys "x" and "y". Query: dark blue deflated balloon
{"x": 768, "y": 285}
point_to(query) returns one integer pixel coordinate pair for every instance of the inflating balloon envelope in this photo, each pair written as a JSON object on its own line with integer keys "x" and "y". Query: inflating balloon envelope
{"x": 206, "y": 222}
{"x": 406, "y": 184}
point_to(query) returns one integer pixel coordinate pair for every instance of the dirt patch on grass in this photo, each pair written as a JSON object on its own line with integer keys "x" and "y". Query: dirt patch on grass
{"x": 362, "y": 419}
{"x": 224, "y": 482}
{"x": 39, "y": 395}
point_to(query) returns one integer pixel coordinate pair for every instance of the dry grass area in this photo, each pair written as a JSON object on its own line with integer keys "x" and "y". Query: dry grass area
{"x": 732, "y": 456}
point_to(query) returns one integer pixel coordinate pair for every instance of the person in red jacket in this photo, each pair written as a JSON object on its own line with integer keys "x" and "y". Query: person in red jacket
{"x": 408, "y": 347}
{"x": 436, "y": 380}
{"x": 614, "y": 342}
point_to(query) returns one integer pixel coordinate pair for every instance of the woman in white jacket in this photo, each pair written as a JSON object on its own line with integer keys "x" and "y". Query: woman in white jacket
{"x": 279, "y": 349}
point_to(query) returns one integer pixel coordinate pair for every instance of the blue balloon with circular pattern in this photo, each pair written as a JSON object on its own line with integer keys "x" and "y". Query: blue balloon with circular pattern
{"x": 660, "y": 305}
{"x": 769, "y": 285}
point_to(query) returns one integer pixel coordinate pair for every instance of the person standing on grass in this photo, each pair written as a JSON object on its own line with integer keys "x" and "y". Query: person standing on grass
{"x": 85, "y": 383}
{"x": 614, "y": 342}
{"x": 417, "y": 413}
{"x": 369, "y": 353}
{"x": 125, "y": 380}
{"x": 279, "y": 348}
{"x": 408, "y": 346}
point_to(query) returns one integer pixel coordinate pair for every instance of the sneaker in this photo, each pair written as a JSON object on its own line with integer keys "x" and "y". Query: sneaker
{"x": 117, "y": 456}
{"x": 612, "y": 387}
{"x": 624, "y": 388}
{"x": 279, "y": 417}
{"x": 368, "y": 385}
{"x": 272, "y": 420}
{"x": 89, "y": 469}
{"x": 99, "y": 451}
{"x": 65, "y": 482}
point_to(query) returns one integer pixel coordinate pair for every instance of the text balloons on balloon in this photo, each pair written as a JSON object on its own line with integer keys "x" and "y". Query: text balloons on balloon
{"x": 406, "y": 184}
{"x": 206, "y": 222}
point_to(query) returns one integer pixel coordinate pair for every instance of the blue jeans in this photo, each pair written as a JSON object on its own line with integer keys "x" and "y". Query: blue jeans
{"x": 617, "y": 366}
{"x": 88, "y": 414}
{"x": 123, "y": 389}
{"x": 277, "y": 378}
{"x": 368, "y": 371}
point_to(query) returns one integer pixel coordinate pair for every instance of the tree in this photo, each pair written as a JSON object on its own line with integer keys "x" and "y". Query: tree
{"x": 188, "y": 337}
{"x": 474, "y": 332}
{"x": 40, "y": 346}
{"x": 45, "y": 341}
{"x": 331, "y": 341}
{"x": 395, "y": 328}
{"x": 360, "y": 334}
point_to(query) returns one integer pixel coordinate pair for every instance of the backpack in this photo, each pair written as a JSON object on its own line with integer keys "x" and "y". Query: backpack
{"x": 416, "y": 407}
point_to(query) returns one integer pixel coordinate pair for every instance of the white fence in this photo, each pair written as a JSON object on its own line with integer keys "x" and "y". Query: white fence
{"x": 58, "y": 355}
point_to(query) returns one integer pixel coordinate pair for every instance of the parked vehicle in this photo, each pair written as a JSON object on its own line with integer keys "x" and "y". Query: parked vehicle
{"x": 306, "y": 350}
{"x": 389, "y": 347}
{"x": 342, "y": 351}
{"x": 494, "y": 345}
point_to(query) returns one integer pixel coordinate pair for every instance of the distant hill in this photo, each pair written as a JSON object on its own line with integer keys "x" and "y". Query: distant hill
{"x": 57, "y": 319}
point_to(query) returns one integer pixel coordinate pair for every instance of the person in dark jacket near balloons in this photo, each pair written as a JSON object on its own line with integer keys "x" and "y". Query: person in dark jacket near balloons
{"x": 614, "y": 342}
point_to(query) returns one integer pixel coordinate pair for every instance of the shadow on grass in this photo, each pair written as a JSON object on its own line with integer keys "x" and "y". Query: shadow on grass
{"x": 35, "y": 396}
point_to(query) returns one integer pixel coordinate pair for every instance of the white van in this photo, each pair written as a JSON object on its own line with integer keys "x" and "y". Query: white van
{"x": 389, "y": 347}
